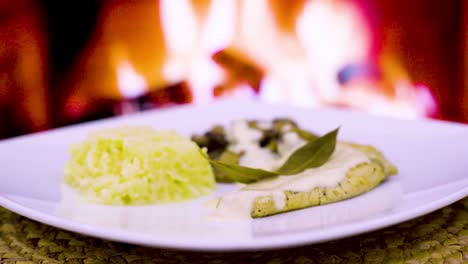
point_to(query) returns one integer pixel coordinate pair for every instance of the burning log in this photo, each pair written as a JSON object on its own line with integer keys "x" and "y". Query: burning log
{"x": 178, "y": 93}
{"x": 239, "y": 68}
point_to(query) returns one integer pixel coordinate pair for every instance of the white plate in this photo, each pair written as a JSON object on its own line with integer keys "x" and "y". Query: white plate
{"x": 431, "y": 157}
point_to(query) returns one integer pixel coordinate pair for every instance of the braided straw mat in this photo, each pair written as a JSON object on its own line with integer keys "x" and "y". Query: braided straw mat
{"x": 440, "y": 237}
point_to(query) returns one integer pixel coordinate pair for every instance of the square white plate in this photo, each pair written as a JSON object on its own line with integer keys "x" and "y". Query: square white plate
{"x": 431, "y": 157}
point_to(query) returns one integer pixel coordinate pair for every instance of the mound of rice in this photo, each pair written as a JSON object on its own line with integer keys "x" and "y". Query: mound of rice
{"x": 137, "y": 166}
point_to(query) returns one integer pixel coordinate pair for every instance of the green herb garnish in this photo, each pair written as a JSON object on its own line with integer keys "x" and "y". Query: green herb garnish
{"x": 312, "y": 155}
{"x": 241, "y": 174}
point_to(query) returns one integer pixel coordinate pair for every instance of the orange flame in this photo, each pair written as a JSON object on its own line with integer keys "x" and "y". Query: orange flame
{"x": 299, "y": 55}
{"x": 128, "y": 32}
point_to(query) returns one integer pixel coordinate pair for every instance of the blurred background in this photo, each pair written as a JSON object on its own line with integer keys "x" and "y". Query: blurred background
{"x": 66, "y": 62}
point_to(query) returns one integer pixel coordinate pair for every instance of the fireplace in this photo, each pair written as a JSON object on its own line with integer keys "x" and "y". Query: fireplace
{"x": 93, "y": 60}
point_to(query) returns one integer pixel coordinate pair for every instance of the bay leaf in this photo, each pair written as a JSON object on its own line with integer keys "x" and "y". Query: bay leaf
{"x": 241, "y": 174}
{"x": 312, "y": 155}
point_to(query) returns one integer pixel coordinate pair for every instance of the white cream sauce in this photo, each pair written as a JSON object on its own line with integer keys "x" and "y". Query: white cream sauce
{"x": 329, "y": 174}
{"x": 238, "y": 204}
{"x": 245, "y": 139}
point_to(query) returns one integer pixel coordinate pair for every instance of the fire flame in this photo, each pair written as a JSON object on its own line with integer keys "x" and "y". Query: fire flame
{"x": 291, "y": 59}
{"x": 130, "y": 83}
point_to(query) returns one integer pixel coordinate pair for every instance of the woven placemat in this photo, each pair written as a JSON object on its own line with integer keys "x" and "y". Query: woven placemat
{"x": 440, "y": 237}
